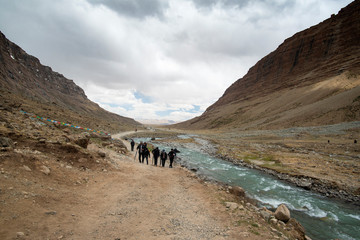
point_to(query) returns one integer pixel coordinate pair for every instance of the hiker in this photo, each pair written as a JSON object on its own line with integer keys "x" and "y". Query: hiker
{"x": 172, "y": 155}
{"x": 163, "y": 157}
{"x": 146, "y": 155}
{"x": 144, "y": 146}
{"x": 132, "y": 144}
{"x": 156, "y": 153}
{"x": 140, "y": 150}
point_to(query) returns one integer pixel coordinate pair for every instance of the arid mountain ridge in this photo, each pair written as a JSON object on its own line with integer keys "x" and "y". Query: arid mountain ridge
{"x": 312, "y": 78}
{"x": 26, "y": 83}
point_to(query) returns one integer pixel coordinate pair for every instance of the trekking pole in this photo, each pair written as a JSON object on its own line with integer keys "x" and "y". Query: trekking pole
{"x": 135, "y": 156}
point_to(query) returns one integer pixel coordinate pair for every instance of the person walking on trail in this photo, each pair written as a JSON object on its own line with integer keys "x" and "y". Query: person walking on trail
{"x": 144, "y": 147}
{"x": 172, "y": 155}
{"x": 146, "y": 155}
{"x": 156, "y": 154}
{"x": 163, "y": 157}
{"x": 132, "y": 145}
{"x": 140, "y": 150}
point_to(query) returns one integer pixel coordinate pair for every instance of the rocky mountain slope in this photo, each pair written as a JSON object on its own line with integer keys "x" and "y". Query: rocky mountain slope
{"x": 26, "y": 84}
{"x": 312, "y": 78}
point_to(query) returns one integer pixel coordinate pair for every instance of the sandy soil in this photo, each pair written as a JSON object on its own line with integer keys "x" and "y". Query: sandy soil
{"x": 121, "y": 200}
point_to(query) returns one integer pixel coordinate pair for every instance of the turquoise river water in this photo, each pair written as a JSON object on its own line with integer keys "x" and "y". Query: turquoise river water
{"x": 323, "y": 218}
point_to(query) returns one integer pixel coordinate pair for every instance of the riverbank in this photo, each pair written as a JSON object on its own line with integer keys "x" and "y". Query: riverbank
{"x": 322, "y": 217}
{"x": 323, "y": 159}
{"x": 323, "y": 187}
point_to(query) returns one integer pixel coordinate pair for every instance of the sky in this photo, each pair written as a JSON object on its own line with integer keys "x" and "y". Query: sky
{"x": 156, "y": 59}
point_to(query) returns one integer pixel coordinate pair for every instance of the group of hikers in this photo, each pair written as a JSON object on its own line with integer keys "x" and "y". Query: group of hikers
{"x": 144, "y": 154}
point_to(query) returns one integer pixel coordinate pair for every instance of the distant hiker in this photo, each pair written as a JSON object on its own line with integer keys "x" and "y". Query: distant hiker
{"x": 176, "y": 151}
{"x": 132, "y": 144}
{"x": 172, "y": 155}
{"x": 163, "y": 157}
{"x": 328, "y": 141}
{"x": 146, "y": 155}
{"x": 140, "y": 150}
{"x": 355, "y": 141}
{"x": 156, "y": 154}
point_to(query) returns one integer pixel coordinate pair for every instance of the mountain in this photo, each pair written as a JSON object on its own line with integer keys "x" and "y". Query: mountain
{"x": 312, "y": 78}
{"x": 27, "y": 84}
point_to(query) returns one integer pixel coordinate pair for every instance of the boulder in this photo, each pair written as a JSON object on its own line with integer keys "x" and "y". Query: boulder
{"x": 237, "y": 191}
{"x": 26, "y": 168}
{"x": 101, "y": 136}
{"x": 282, "y": 213}
{"x": 266, "y": 214}
{"x": 300, "y": 230}
{"x": 231, "y": 205}
{"x": 20, "y": 234}
{"x": 118, "y": 143}
{"x": 45, "y": 170}
{"x": 82, "y": 160}
{"x": 69, "y": 148}
{"x": 273, "y": 221}
{"x": 82, "y": 141}
{"x": 304, "y": 183}
{"x": 6, "y": 142}
{"x": 102, "y": 154}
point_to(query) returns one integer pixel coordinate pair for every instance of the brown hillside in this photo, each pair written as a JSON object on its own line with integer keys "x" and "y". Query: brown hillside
{"x": 25, "y": 83}
{"x": 312, "y": 78}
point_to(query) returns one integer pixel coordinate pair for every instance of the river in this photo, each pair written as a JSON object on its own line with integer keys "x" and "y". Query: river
{"x": 323, "y": 218}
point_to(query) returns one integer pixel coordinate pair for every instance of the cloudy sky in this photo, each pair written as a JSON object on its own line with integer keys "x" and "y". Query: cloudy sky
{"x": 156, "y": 59}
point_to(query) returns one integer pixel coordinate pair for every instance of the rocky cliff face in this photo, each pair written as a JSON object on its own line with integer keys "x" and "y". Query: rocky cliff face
{"x": 25, "y": 75}
{"x": 23, "y": 79}
{"x": 310, "y": 57}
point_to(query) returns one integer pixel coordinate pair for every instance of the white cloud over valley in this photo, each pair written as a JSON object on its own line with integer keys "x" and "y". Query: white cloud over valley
{"x": 156, "y": 59}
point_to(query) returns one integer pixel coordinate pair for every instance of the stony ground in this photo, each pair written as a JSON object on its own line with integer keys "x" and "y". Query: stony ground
{"x": 325, "y": 159}
{"x": 58, "y": 183}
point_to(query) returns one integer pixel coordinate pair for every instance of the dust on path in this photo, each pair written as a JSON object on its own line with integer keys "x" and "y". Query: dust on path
{"x": 127, "y": 201}
{"x": 146, "y": 202}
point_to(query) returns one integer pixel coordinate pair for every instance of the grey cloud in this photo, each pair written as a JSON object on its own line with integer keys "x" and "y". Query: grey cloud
{"x": 135, "y": 8}
{"x": 275, "y": 6}
{"x": 211, "y": 3}
{"x": 202, "y": 49}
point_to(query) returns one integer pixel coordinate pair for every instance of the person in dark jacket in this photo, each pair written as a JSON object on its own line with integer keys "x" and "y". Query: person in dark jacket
{"x": 146, "y": 155}
{"x": 140, "y": 150}
{"x": 156, "y": 154}
{"x": 144, "y": 146}
{"x": 163, "y": 157}
{"x": 171, "y": 155}
{"x": 132, "y": 144}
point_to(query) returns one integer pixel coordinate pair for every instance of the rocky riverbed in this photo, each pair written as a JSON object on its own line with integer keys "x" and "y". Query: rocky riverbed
{"x": 323, "y": 159}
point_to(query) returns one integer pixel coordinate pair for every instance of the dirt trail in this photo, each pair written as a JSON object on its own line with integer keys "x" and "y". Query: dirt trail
{"x": 127, "y": 201}
{"x": 148, "y": 202}
{"x": 143, "y": 201}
